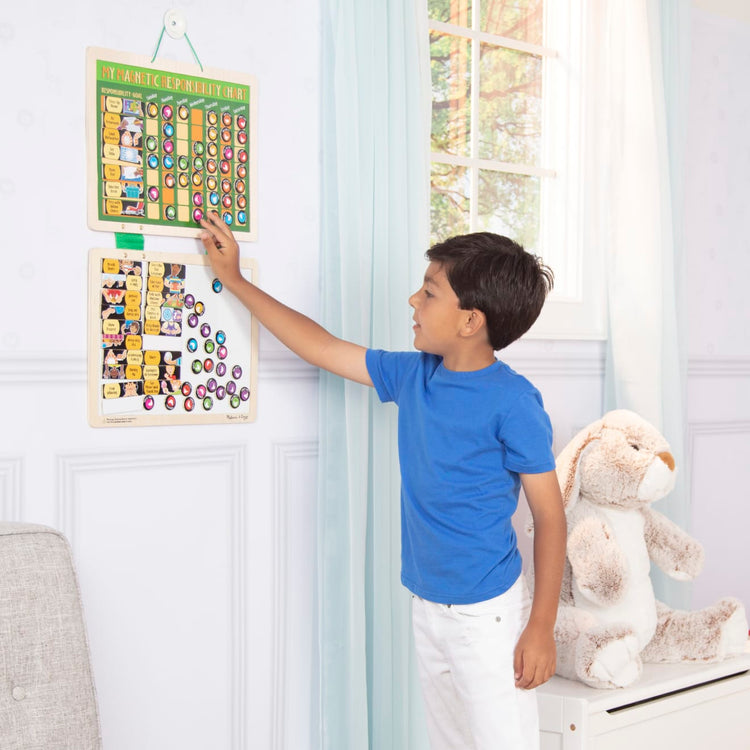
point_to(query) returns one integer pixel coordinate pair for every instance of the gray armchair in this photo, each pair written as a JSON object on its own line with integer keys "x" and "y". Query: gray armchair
{"x": 47, "y": 698}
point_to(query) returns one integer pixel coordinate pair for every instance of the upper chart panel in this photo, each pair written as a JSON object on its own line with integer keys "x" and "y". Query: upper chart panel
{"x": 168, "y": 142}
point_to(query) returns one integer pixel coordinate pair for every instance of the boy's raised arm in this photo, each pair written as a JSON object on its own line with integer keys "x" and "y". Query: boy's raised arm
{"x": 302, "y": 335}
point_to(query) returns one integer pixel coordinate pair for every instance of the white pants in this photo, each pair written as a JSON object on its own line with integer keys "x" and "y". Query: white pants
{"x": 465, "y": 656}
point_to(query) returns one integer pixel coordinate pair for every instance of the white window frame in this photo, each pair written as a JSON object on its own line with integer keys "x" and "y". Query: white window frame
{"x": 576, "y": 307}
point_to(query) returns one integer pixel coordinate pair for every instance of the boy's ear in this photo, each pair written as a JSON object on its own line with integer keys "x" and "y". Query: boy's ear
{"x": 474, "y": 322}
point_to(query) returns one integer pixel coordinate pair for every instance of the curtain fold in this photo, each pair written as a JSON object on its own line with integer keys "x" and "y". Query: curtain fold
{"x": 639, "y": 49}
{"x": 375, "y": 214}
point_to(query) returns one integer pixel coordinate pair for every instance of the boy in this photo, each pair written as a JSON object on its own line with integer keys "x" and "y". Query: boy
{"x": 470, "y": 430}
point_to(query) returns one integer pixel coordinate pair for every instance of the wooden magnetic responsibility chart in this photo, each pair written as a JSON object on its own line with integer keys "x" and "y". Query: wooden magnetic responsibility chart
{"x": 167, "y": 344}
{"x": 166, "y": 144}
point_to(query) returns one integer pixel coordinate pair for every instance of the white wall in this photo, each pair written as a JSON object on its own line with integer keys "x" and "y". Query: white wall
{"x": 193, "y": 544}
{"x": 718, "y": 252}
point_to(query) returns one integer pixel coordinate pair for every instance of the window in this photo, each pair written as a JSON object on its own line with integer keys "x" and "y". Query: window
{"x": 507, "y": 140}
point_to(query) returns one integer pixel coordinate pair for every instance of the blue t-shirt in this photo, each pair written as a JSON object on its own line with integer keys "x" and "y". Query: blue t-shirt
{"x": 463, "y": 438}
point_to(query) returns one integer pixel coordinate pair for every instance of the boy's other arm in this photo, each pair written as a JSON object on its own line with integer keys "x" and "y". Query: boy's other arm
{"x": 535, "y": 654}
{"x": 302, "y": 335}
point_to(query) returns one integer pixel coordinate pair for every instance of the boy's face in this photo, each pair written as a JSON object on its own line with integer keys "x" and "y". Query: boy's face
{"x": 437, "y": 314}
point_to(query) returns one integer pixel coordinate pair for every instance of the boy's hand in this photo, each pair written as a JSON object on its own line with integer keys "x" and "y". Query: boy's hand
{"x": 222, "y": 249}
{"x": 535, "y": 657}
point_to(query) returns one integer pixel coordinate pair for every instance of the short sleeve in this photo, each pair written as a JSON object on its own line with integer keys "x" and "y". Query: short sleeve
{"x": 526, "y": 433}
{"x": 388, "y": 371}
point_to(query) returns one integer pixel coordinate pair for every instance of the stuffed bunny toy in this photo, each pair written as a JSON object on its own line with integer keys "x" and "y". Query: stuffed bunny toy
{"x": 609, "y": 621}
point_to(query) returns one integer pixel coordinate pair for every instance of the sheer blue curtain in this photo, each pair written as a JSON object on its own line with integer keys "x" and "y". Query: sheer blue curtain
{"x": 375, "y": 213}
{"x": 640, "y": 52}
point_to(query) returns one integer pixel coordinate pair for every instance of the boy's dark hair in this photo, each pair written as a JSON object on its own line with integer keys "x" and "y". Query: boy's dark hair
{"x": 494, "y": 274}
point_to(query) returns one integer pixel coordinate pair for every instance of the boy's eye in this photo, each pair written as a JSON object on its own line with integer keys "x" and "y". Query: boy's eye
{"x": 427, "y": 293}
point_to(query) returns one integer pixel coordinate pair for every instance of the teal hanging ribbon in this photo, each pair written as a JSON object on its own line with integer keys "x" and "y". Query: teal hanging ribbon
{"x": 128, "y": 241}
{"x": 190, "y": 44}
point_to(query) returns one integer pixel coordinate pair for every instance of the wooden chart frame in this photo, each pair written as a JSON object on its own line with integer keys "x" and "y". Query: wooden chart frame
{"x": 167, "y": 344}
{"x": 154, "y": 132}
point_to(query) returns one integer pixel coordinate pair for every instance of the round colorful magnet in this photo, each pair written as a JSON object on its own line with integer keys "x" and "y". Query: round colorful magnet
{"x": 192, "y": 345}
{"x": 208, "y": 402}
{"x": 152, "y": 110}
{"x": 231, "y": 387}
{"x": 213, "y": 149}
{"x": 228, "y": 218}
{"x": 242, "y": 137}
{"x": 192, "y": 320}
{"x": 148, "y": 403}
{"x": 226, "y": 119}
{"x": 221, "y": 391}
{"x": 224, "y": 167}
{"x": 189, "y": 404}
{"x": 241, "y": 201}
{"x": 197, "y": 215}
{"x": 211, "y": 117}
{"x": 241, "y": 217}
{"x": 212, "y": 183}
{"x": 209, "y": 346}
{"x": 183, "y": 179}
{"x": 166, "y": 112}
{"x": 168, "y": 129}
{"x": 221, "y": 369}
{"x": 205, "y": 329}
{"x": 211, "y": 166}
{"x": 198, "y": 163}
{"x": 208, "y": 364}
{"x": 221, "y": 337}
{"x": 199, "y": 148}
{"x": 228, "y": 152}
{"x": 236, "y": 372}
{"x": 212, "y": 134}
{"x": 200, "y": 391}
{"x": 151, "y": 143}
{"x": 239, "y": 186}
{"x": 197, "y": 179}
{"x": 241, "y": 171}
{"x": 200, "y": 308}
{"x": 170, "y": 212}
{"x": 213, "y": 199}
{"x": 170, "y": 402}
{"x": 196, "y": 366}
{"x": 182, "y": 162}
{"x": 216, "y": 285}
{"x": 169, "y": 180}
{"x": 221, "y": 352}
{"x": 226, "y": 201}
{"x": 186, "y": 388}
{"x": 197, "y": 199}
{"x": 234, "y": 402}
{"x": 168, "y": 146}
{"x": 226, "y": 135}
{"x": 152, "y": 161}
{"x": 211, "y": 385}
{"x": 189, "y": 301}
{"x": 244, "y": 394}
{"x": 153, "y": 193}
{"x": 183, "y": 112}
{"x": 241, "y": 122}
{"x": 226, "y": 186}
{"x": 167, "y": 162}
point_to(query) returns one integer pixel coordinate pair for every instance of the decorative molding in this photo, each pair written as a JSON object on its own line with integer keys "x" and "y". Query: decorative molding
{"x": 284, "y": 454}
{"x": 11, "y": 489}
{"x": 707, "y": 429}
{"x": 719, "y": 367}
{"x": 64, "y": 367}
{"x": 233, "y": 459}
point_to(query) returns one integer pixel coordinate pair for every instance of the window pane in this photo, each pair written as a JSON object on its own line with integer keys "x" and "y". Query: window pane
{"x": 457, "y": 12}
{"x": 450, "y": 62}
{"x": 510, "y": 105}
{"x": 509, "y": 204}
{"x": 449, "y": 201}
{"x": 516, "y": 19}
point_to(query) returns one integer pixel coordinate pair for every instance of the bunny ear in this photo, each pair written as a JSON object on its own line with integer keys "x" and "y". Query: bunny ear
{"x": 568, "y": 461}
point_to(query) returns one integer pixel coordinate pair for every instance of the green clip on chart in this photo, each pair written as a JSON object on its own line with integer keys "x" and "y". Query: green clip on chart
{"x": 167, "y": 344}
{"x": 165, "y": 146}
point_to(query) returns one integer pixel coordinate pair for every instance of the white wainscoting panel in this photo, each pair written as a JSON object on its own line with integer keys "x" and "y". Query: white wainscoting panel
{"x": 162, "y": 573}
